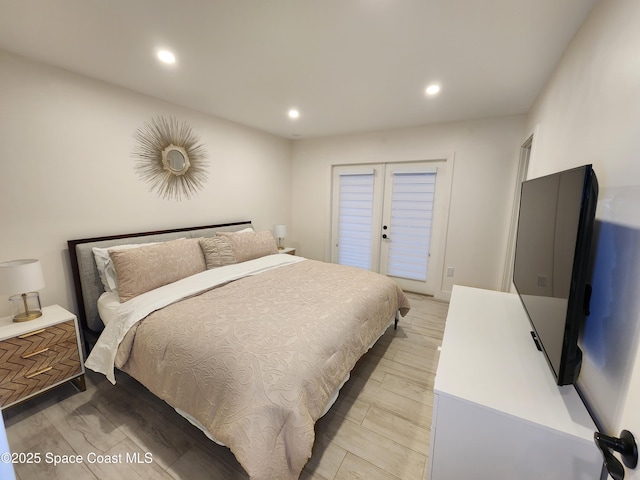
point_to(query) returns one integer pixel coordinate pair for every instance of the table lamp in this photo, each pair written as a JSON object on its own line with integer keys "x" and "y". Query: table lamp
{"x": 22, "y": 276}
{"x": 280, "y": 232}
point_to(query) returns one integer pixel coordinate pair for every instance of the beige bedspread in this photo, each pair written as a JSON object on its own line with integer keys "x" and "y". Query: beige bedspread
{"x": 256, "y": 361}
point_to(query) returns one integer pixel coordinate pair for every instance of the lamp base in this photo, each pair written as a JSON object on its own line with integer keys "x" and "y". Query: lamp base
{"x": 26, "y": 316}
{"x": 25, "y": 306}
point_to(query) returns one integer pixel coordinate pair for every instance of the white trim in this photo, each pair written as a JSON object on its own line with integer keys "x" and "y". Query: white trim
{"x": 407, "y": 168}
{"x": 526, "y": 150}
{"x": 357, "y": 171}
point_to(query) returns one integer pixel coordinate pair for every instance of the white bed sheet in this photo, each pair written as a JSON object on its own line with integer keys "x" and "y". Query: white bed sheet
{"x": 108, "y": 306}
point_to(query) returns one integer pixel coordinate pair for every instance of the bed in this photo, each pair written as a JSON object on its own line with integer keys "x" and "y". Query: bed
{"x": 250, "y": 345}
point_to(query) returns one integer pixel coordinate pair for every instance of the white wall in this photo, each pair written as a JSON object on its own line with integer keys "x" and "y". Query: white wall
{"x": 486, "y": 156}
{"x": 589, "y": 112}
{"x": 67, "y": 170}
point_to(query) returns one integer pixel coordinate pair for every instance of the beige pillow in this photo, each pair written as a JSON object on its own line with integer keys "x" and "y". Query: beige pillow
{"x": 217, "y": 252}
{"x": 140, "y": 270}
{"x": 105, "y": 267}
{"x": 250, "y": 245}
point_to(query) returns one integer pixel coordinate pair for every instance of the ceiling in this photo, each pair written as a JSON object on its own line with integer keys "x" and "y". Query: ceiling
{"x": 347, "y": 65}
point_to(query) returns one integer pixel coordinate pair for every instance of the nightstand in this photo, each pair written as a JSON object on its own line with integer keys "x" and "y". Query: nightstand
{"x": 38, "y": 355}
{"x": 289, "y": 250}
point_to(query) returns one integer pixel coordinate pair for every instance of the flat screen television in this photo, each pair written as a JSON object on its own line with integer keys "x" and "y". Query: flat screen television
{"x": 553, "y": 243}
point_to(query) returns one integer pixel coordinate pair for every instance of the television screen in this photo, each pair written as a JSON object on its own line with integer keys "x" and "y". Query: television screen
{"x": 555, "y": 228}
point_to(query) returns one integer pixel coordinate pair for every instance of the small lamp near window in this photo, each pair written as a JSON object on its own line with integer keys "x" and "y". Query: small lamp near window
{"x": 280, "y": 232}
{"x": 22, "y": 276}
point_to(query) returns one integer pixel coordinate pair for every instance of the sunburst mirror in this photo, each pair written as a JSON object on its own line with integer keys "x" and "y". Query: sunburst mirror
{"x": 170, "y": 157}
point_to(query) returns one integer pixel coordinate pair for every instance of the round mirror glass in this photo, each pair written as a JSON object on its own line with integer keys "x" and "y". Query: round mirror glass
{"x": 175, "y": 160}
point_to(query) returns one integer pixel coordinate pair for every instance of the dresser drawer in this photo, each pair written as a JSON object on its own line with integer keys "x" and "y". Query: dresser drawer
{"x": 33, "y": 361}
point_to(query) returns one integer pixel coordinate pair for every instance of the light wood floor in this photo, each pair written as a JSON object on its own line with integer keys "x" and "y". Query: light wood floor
{"x": 378, "y": 428}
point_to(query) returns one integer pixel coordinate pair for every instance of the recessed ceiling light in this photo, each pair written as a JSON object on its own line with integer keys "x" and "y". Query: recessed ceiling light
{"x": 166, "y": 56}
{"x": 432, "y": 89}
{"x": 293, "y": 113}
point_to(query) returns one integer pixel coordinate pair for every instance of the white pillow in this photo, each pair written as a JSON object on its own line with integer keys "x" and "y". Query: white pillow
{"x": 106, "y": 269}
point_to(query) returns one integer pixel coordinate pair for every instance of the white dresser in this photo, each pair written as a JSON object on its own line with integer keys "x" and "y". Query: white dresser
{"x": 498, "y": 413}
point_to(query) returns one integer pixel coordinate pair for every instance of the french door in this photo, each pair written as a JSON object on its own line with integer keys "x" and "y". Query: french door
{"x": 385, "y": 218}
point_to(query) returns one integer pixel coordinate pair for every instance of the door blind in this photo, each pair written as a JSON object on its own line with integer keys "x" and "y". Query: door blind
{"x": 410, "y": 232}
{"x": 355, "y": 223}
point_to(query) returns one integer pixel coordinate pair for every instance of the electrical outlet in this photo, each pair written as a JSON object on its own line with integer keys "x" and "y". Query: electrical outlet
{"x": 450, "y": 272}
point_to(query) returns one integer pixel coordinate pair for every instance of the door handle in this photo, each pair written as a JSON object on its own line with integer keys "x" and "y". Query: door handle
{"x": 625, "y": 445}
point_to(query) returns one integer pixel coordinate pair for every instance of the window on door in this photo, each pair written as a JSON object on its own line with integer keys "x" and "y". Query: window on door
{"x": 355, "y": 218}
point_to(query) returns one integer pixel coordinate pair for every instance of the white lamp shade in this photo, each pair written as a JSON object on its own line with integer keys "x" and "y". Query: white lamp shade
{"x": 280, "y": 231}
{"x": 21, "y": 276}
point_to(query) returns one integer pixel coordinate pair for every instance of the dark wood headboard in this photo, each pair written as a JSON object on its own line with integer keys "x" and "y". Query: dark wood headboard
{"x": 86, "y": 280}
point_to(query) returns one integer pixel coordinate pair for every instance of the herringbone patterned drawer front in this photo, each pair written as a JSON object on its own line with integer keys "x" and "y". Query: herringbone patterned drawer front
{"x": 37, "y": 360}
